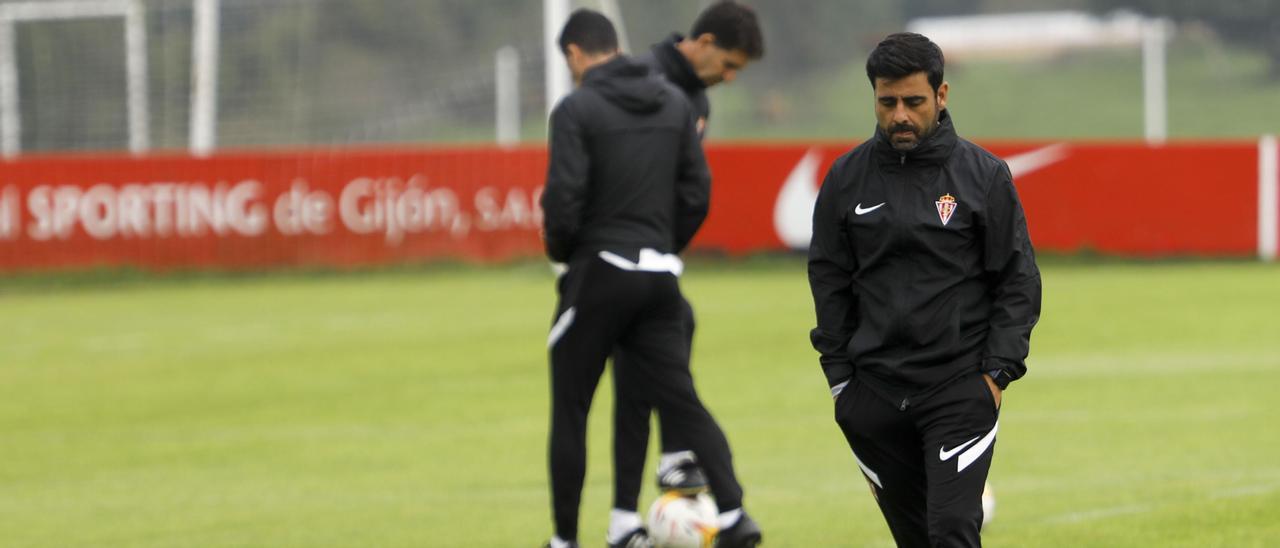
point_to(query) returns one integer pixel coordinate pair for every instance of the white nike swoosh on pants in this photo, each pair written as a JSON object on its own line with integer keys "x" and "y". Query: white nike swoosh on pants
{"x": 944, "y": 454}
{"x": 973, "y": 452}
{"x": 871, "y": 475}
{"x": 562, "y": 325}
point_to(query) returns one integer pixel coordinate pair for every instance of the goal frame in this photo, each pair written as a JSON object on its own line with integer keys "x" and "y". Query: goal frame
{"x": 133, "y": 16}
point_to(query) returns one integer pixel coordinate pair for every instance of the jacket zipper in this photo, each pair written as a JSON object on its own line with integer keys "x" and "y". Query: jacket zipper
{"x": 902, "y": 161}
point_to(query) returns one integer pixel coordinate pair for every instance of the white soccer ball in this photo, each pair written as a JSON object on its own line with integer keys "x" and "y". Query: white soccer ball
{"x": 677, "y": 521}
{"x": 988, "y": 505}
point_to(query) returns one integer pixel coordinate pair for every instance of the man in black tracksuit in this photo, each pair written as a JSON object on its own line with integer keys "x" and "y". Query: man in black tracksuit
{"x": 723, "y": 40}
{"x": 627, "y": 188}
{"x": 926, "y": 291}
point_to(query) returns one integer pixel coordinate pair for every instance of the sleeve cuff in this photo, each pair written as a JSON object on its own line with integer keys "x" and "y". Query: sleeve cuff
{"x": 1001, "y": 371}
{"x": 838, "y": 373}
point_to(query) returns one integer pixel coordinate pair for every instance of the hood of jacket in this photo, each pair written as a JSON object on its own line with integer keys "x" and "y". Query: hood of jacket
{"x": 627, "y": 84}
{"x": 933, "y": 150}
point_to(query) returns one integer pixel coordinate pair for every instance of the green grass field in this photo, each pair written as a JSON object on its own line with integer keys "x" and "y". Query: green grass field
{"x": 410, "y": 409}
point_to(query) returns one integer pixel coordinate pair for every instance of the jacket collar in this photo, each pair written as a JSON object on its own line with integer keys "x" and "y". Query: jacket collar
{"x": 678, "y": 69}
{"x": 935, "y": 149}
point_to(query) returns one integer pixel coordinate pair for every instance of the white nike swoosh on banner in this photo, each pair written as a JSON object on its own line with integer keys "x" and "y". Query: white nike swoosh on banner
{"x": 858, "y": 210}
{"x": 943, "y": 454}
{"x": 1035, "y": 160}
{"x": 793, "y": 210}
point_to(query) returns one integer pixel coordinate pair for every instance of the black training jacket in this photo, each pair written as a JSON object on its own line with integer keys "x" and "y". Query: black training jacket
{"x": 665, "y": 59}
{"x": 626, "y": 170}
{"x": 921, "y": 266}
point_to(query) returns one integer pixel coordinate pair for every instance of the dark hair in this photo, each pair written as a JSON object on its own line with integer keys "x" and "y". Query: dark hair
{"x": 734, "y": 26}
{"x": 590, "y": 30}
{"x": 903, "y": 54}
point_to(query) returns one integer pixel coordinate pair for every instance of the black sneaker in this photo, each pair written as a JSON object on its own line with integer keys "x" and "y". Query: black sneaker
{"x": 744, "y": 534}
{"x": 685, "y": 478}
{"x": 637, "y": 538}
{"x": 572, "y": 544}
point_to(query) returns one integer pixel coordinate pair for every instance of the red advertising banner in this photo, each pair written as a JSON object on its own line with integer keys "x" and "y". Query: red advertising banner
{"x": 353, "y": 207}
{"x": 254, "y": 210}
{"x": 1113, "y": 198}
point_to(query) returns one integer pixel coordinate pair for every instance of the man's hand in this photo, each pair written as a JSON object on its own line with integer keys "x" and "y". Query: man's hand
{"x": 996, "y": 392}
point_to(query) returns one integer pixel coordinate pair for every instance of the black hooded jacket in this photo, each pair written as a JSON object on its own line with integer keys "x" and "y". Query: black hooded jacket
{"x": 921, "y": 266}
{"x": 626, "y": 170}
{"x": 665, "y": 59}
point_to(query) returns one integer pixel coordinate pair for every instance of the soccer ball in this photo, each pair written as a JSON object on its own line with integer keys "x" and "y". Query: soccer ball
{"x": 988, "y": 505}
{"x": 678, "y": 521}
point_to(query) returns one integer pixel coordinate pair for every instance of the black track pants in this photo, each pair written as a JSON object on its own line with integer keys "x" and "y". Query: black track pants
{"x": 631, "y": 428}
{"x": 926, "y": 464}
{"x": 602, "y": 308}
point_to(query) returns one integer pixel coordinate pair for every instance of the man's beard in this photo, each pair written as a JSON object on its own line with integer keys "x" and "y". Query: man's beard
{"x": 904, "y": 146}
{"x": 920, "y": 135}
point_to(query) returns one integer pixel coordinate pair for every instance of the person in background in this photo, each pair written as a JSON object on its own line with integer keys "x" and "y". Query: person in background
{"x": 724, "y": 39}
{"x": 627, "y": 187}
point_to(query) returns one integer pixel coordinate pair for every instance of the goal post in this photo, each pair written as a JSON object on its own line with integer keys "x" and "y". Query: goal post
{"x": 204, "y": 77}
{"x": 131, "y": 12}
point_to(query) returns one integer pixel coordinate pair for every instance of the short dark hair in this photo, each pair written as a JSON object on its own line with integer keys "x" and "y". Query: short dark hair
{"x": 734, "y": 26}
{"x": 589, "y": 30}
{"x": 903, "y": 54}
